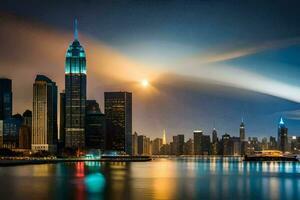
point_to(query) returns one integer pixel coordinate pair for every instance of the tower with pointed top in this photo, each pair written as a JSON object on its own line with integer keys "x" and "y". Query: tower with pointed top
{"x": 282, "y": 136}
{"x": 75, "y": 94}
{"x": 242, "y": 131}
{"x": 164, "y": 138}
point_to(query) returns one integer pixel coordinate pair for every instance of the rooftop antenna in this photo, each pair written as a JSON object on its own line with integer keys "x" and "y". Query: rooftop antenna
{"x": 75, "y": 29}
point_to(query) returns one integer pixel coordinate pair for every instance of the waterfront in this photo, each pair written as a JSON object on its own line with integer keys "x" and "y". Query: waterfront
{"x": 181, "y": 178}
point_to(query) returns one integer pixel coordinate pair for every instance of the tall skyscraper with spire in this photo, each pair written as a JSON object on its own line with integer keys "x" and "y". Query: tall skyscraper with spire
{"x": 75, "y": 91}
{"x": 282, "y": 136}
{"x": 242, "y": 130}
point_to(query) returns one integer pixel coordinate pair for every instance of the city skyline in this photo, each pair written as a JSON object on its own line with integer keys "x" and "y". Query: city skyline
{"x": 201, "y": 103}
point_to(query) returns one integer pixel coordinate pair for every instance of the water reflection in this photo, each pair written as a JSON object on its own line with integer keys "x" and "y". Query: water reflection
{"x": 182, "y": 178}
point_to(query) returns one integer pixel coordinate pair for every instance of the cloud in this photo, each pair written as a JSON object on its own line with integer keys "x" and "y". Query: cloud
{"x": 228, "y": 54}
{"x": 292, "y": 114}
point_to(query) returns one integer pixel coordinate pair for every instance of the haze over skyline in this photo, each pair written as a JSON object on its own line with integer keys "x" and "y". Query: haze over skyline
{"x": 204, "y": 69}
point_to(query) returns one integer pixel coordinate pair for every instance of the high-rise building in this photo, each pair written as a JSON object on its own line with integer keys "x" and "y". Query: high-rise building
{"x": 189, "y": 147}
{"x": 144, "y": 145}
{"x": 164, "y": 137}
{"x": 226, "y": 145}
{"x": 178, "y": 145}
{"x": 282, "y": 136}
{"x": 11, "y": 129}
{"x": 62, "y": 121}
{"x": 214, "y": 136}
{"x": 272, "y": 143}
{"x": 242, "y": 131}
{"x": 25, "y": 131}
{"x": 134, "y": 142}
{"x": 27, "y": 117}
{"x": 5, "y": 108}
{"x": 156, "y": 146}
{"x": 5, "y": 98}
{"x": 95, "y": 126}
{"x": 75, "y": 91}
{"x": 201, "y": 143}
{"x": 118, "y": 112}
{"x": 197, "y": 142}
{"x": 215, "y": 143}
{"x": 44, "y": 120}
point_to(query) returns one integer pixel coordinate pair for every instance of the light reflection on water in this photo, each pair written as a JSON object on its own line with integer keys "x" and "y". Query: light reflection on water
{"x": 182, "y": 178}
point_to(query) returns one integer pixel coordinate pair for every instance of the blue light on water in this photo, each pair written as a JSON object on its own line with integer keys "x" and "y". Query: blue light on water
{"x": 95, "y": 183}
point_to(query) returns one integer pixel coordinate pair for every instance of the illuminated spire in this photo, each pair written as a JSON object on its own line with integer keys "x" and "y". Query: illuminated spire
{"x": 164, "y": 137}
{"x": 281, "y": 121}
{"x": 75, "y": 30}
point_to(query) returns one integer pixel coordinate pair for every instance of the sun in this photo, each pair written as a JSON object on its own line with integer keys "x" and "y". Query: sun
{"x": 145, "y": 83}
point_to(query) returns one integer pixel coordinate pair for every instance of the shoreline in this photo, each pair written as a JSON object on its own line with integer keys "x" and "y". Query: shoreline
{"x": 10, "y": 162}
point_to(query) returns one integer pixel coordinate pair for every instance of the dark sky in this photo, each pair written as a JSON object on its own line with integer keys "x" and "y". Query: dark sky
{"x": 209, "y": 63}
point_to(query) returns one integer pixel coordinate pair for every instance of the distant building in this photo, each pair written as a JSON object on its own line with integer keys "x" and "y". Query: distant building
{"x": 282, "y": 136}
{"x": 25, "y": 131}
{"x": 272, "y": 143}
{"x": 295, "y": 144}
{"x": 134, "y": 142}
{"x": 226, "y": 145}
{"x": 95, "y": 126}
{"x": 236, "y": 146}
{"x": 144, "y": 145}
{"x": 75, "y": 94}
{"x": 165, "y": 149}
{"x": 11, "y": 129}
{"x": 215, "y": 143}
{"x": 201, "y": 143}
{"x": 156, "y": 146}
{"x": 264, "y": 144}
{"x": 5, "y": 107}
{"x": 242, "y": 131}
{"x": 178, "y": 145}
{"x": 62, "y": 121}
{"x": 189, "y": 147}
{"x": 197, "y": 142}
{"x": 5, "y": 98}
{"x": 44, "y": 120}
{"x": 25, "y": 137}
{"x": 118, "y": 112}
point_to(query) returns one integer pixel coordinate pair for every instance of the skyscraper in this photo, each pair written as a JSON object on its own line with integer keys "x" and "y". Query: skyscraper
{"x": 95, "y": 126}
{"x": 197, "y": 142}
{"x": 25, "y": 131}
{"x": 118, "y": 113}
{"x": 5, "y": 107}
{"x": 62, "y": 121}
{"x": 156, "y": 146}
{"x": 5, "y": 98}
{"x": 242, "y": 131}
{"x": 282, "y": 136}
{"x": 134, "y": 142}
{"x": 178, "y": 143}
{"x": 201, "y": 143}
{"x": 164, "y": 137}
{"x": 75, "y": 91}
{"x": 44, "y": 122}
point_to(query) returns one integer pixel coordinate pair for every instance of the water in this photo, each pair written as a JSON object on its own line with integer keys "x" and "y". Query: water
{"x": 184, "y": 178}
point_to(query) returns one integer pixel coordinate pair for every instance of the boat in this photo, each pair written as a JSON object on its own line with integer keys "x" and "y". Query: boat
{"x": 271, "y": 155}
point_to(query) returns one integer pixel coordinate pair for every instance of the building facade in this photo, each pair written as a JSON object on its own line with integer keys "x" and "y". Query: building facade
{"x": 95, "y": 126}
{"x": 282, "y": 136}
{"x": 44, "y": 118}
{"x": 118, "y": 113}
{"x": 75, "y": 91}
{"x": 5, "y": 108}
